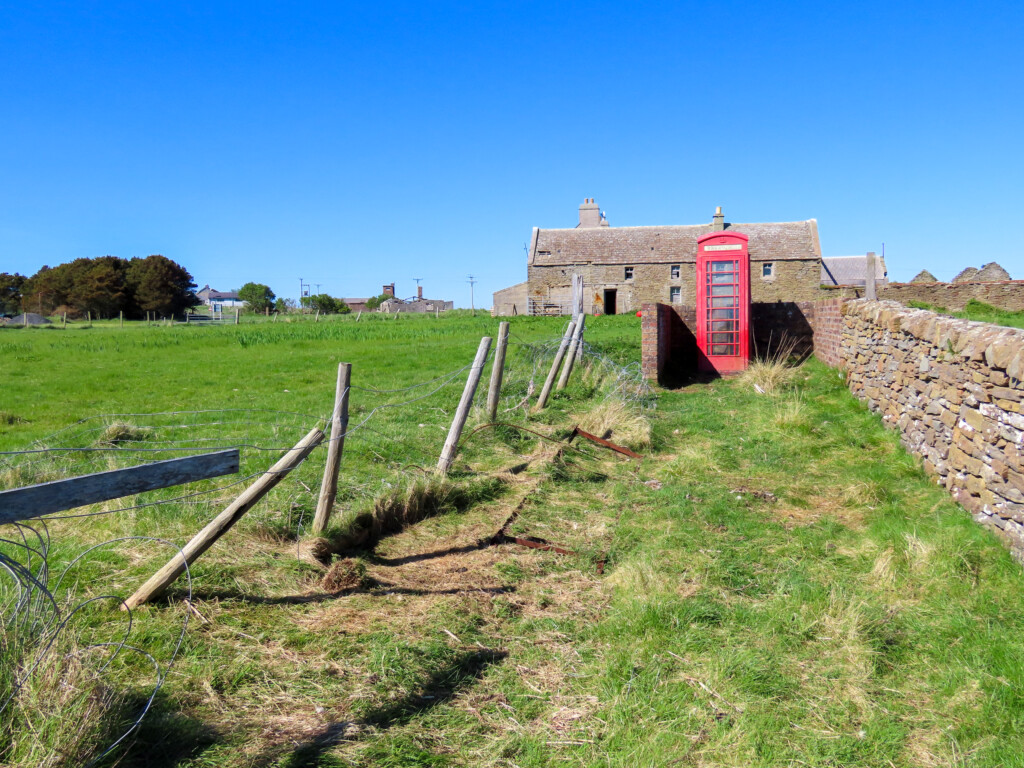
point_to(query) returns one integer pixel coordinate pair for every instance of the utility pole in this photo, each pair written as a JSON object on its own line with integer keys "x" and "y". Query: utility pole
{"x": 472, "y": 281}
{"x": 318, "y": 288}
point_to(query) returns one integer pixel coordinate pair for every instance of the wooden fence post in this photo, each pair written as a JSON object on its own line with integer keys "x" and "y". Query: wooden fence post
{"x": 89, "y": 315}
{"x": 570, "y": 356}
{"x": 455, "y": 432}
{"x": 64, "y": 320}
{"x": 121, "y": 318}
{"x": 360, "y": 314}
{"x": 549, "y": 382}
{"x": 236, "y": 315}
{"x": 339, "y": 425}
{"x": 317, "y": 320}
{"x": 497, "y": 372}
{"x": 223, "y": 522}
{"x": 869, "y": 277}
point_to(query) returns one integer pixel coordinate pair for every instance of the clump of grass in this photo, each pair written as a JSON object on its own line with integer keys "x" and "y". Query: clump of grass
{"x": 118, "y": 432}
{"x": 402, "y": 507}
{"x": 10, "y": 418}
{"x": 772, "y": 373}
{"x": 616, "y": 420}
{"x": 791, "y": 413}
{"x": 62, "y": 716}
{"x": 345, "y": 574}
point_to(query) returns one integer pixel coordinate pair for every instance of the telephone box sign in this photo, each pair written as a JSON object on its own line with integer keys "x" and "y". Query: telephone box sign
{"x": 723, "y": 302}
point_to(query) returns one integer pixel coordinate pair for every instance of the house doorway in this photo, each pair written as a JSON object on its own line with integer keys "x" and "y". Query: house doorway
{"x": 610, "y": 295}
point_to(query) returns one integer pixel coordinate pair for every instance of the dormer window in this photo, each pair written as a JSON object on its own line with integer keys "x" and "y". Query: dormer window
{"x": 628, "y": 273}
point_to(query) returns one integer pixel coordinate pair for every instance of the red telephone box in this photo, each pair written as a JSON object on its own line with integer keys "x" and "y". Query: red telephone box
{"x": 723, "y": 302}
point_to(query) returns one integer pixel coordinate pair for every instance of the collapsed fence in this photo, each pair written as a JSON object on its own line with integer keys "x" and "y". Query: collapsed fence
{"x": 59, "y": 635}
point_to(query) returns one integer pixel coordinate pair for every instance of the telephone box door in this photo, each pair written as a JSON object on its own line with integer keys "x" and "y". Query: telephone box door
{"x": 723, "y": 302}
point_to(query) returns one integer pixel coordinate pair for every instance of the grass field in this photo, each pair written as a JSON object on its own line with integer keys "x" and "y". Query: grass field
{"x": 782, "y": 584}
{"x": 980, "y": 311}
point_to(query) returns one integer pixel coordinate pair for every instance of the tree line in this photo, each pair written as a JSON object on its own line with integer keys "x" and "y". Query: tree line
{"x": 103, "y": 286}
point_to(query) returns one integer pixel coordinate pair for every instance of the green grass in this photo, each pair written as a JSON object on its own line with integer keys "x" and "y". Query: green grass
{"x": 783, "y": 585}
{"x": 980, "y": 311}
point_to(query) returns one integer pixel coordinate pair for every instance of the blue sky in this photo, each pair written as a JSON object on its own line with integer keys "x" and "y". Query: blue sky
{"x": 354, "y": 145}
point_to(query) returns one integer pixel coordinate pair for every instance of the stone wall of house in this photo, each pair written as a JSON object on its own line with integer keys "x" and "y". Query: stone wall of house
{"x": 1008, "y": 294}
{"x": 791, "y": 281}
{"x": 954, "y": 390}
{"x": 510, "y": 301}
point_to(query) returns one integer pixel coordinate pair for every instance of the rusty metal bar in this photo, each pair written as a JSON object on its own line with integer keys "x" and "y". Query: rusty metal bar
{"x": 606, "y": 443}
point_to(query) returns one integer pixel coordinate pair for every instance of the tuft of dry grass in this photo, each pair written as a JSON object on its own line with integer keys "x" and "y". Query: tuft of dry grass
{"x": 615, "y": 420}
{"x": 118, "y": 432}
{"x": 773, "y": 373}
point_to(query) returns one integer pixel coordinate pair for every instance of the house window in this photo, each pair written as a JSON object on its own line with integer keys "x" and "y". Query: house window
{"x": 675, "y": 271}
{"x": 628, "y": 273}
{"x": 675, "y": 293}
{"x": 768, "y": 270}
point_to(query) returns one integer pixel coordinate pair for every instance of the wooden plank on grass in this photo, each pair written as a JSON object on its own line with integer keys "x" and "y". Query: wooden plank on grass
{"x": 46, "y": 498}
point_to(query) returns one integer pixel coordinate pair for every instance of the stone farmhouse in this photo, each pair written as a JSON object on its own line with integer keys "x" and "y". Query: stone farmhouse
{"x": 218, "y": 301}
{"x": 624, "y": 267}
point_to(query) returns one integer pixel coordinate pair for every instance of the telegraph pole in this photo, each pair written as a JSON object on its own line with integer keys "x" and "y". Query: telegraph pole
{"x": 472, "y": 281}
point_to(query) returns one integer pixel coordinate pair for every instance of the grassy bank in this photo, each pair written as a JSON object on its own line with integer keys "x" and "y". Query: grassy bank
{"x": 781, "y": 584}
{"x": 980, "y": 311}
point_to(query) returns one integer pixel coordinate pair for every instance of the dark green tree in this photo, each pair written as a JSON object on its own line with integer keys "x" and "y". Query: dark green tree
{"x": 10, "y": 292}
{"x": 327, "y": 304}
{"x": 160, "y": 285}
{"x": 102, "y": 287}
{"x": 375, "y": 301}
{"x": 258, "y": 297}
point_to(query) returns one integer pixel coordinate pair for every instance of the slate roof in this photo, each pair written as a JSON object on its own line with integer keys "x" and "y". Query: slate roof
{"x": 849, "y": 270}
{"x": 776, "y": 241}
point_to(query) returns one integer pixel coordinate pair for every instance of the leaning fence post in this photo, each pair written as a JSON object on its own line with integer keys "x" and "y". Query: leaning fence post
{"x": 570, "y": 356}
{"x": 497, "y": 372}
{"x": 546, "y": 391}
{"x": 222, "y": 523}
{"x": 455, "y": 432}
{"x": 339, "y": 425}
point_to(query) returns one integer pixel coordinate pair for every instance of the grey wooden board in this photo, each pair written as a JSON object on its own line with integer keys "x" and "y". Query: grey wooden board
{"x": 58, "y": 495}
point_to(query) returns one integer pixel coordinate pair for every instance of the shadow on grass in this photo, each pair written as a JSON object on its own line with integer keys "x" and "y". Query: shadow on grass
{"x": 381, "y": 588}
{"x": 164, "y": 739}
{"x": 445, "y": 682}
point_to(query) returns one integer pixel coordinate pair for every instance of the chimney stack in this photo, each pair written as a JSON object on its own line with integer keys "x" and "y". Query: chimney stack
{"x": 718, "y": 222}
{"x": 419, "y": 291}
{"x": 389, "y": 290}
{"x": 590, "y": 214}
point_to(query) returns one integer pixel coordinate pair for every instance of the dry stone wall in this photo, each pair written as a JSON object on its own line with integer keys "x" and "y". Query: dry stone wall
{"x": 1007, "y": 294}
{"x": 954, "y": 390}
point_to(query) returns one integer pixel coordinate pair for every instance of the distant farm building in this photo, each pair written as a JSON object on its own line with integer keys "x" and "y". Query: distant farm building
{"x": 218, "y": 301}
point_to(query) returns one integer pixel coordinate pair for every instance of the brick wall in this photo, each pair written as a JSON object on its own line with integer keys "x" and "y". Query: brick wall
{"x": 669, "y": 335}
{"x": 828, "y": 330}
{"x": 954, "y": 390}
{"x": 1008, "y": 294}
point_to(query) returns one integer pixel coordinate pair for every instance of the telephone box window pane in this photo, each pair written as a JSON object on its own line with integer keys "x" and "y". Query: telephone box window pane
{"x": 723, "y": 266}
{"x": 729, "y": 301}
{"x": 722, "y": 338}
{"x": 723, "y": 290}
{"x": 724, "y": 314}
{"x": 723, "y": 277}
{"x": 723, "y": 325}
{"x": 722, "y": 349}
